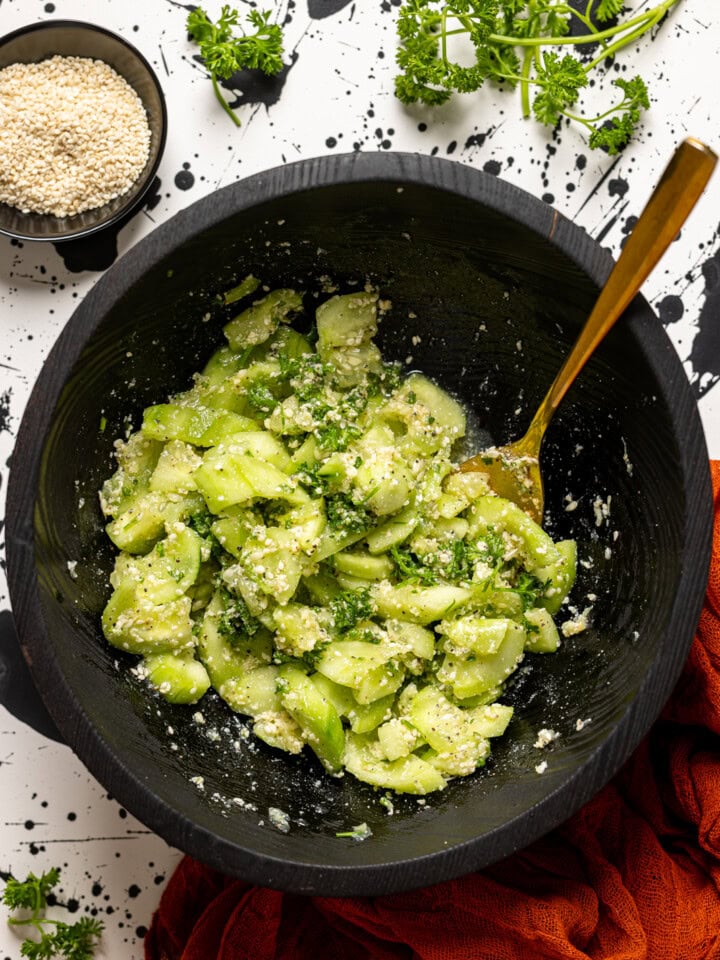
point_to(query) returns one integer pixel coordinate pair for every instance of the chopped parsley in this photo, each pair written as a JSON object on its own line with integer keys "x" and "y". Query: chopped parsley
{"x": 530, "y": 588}
{"x": 236, "y": 621}
{"x": 360, "y": 832}
{"x": 350, "y": 607}
{"x": 345, "y": 516}
{"x": 336, "y": 436}
{"x": 260, "y": 397}
{"x": 490, "y": 549}
{"x": 202, "y": 523}
{"x": 411, "y": 568}
{"x": 309, "y": 477}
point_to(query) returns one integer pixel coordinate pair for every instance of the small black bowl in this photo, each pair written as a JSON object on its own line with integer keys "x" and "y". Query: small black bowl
{"x": 71, "y": 38}
{"x": 488, "y": 287}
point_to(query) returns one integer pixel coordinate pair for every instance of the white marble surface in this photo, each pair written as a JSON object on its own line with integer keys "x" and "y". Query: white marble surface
{"x": 336, "y": 96}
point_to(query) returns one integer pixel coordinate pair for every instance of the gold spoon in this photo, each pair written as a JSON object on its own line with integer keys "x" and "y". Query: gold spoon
{"x": 514, "y": 470}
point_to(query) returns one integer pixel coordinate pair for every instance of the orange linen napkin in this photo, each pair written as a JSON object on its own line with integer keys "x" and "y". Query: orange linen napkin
{"x": 634, "y": 875}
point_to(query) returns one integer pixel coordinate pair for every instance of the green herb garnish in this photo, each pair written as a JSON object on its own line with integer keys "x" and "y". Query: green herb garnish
{"x": 530, "y": 588}
{"x": 236, "y": 621}
{"x": 411, "y": 568}
{"x": 526, "y": 43}
{"x": 74, "y": 941}
{"x": 260, "y": 397}
{"x": 360, "y": 832}
{"x": 350, "y": 607}
{"x": 345, "y": 516}
{"x": 224, "y": 53}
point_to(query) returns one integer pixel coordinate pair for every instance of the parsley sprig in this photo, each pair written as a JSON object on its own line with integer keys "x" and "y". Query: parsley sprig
{"x": 224, "y": 53}
{"x": 526, "y": 43}
{"x": 73, "y": 941}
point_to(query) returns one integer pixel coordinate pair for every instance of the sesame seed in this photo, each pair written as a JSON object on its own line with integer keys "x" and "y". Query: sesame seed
{"x": 73, "y": 135}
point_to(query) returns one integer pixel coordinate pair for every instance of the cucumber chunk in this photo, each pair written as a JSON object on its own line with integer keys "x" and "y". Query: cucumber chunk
{"x": 177, "y": 679}
{"x": 347, "y": 320}
{"x": 363, "y": 565}
{"x": 175, "y": 467}
{"x": 201, "y": 426}
{"x": 419, "y": 604}
{"x": 294, "y": 532}
{"x": 405, "y": 775}
{"x": 473, "y": 634}
{"x": 254, "y": 692}
{"x": 315, "y": 715}
{"x": 223, "y": 659}
{"x": 137, "y": 625}
{"x": 545, "y": 637}
{"x": 467, "y": 678}
{"x": 498, "y": 513}
{"x": 258, "y": 322}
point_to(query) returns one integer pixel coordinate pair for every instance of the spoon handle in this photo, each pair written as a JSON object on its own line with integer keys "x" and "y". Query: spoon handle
{"x": 669, "y": 205}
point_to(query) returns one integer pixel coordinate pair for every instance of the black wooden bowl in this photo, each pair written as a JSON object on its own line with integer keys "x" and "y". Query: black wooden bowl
{"x": 74, "y": 38}
{"x": 489, "y": 287}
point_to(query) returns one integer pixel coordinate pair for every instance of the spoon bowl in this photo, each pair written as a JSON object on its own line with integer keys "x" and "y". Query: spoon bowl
{"x": 514, "y": 469}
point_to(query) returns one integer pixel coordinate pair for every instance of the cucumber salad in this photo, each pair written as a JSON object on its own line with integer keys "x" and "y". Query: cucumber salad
{"x": 293, "y": 532}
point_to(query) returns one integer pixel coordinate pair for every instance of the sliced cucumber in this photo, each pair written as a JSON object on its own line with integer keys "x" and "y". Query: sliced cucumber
{"x": 256, "y": 324}
{"x": 177, "y": 679}
{"x": 315, "y": 715}
{"x": 406, "y": 775}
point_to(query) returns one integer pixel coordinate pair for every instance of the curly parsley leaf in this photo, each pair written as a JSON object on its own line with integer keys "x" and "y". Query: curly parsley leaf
{"x": 607, "y": 9}
{"x": 224, "y": 52}
{"x": 53, "y": 938}
{"x": 260, "y": 397}
{"x": 523, "y": 43}
{"x": 561, "y": 80}
{"x": 530, "y": 589}
{"x": 612, "y": 133}
{"x": 31, "y": 893}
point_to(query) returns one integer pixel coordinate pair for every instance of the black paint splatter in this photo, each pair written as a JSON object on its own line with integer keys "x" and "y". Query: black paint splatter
{"x": 617, "y": 187}
{"x": 17, "y": 692}
{"x": 627, "y": 228}
{"x": 670, "y": 309}
{"x": 5, "y": 411}
{"x": 184, "y": 179}
{"x": 255, "y": 87}
{"x": 476, "y": 140}
{"x": 319, "y": 9}
{"x": 705, "y": 351}
{"x": 492, "y": 166}
{"x": 99, "y": 250}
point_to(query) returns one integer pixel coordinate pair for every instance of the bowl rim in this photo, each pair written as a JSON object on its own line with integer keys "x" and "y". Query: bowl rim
{"x": 147, "y": 177}
{"x": 657, "y": 683}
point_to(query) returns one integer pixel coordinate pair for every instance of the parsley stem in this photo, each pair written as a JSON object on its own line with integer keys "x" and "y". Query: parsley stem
{"x": 644, "y": 21}
{"x": 591, "y": 121}
{"x": 223, "y": 102}
{"x": 623, "y": 41}
{"x": 524, "y": 83}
